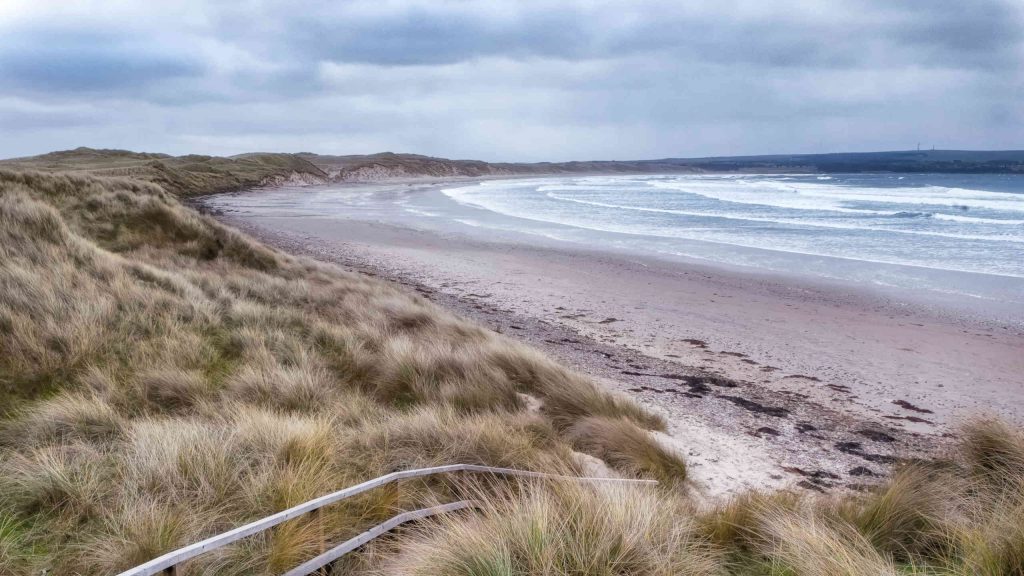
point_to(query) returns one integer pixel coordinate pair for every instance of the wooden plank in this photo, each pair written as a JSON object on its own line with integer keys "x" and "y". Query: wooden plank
{"x": 176, "y": 557}
{"x": 349, "y": 545}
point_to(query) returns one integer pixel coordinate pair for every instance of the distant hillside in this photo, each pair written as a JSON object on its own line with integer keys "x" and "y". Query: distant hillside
{"x": 190, "y": 175}
{"x": 193, "y": 175}
{"x": 390, "y": 165}
{"x": 1003, "y": 161}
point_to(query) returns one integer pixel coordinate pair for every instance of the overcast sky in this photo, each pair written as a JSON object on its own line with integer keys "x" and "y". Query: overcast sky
{"x": 511, "y": 80}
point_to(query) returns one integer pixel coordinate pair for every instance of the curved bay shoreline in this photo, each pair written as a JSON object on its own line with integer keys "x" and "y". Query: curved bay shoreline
{"x": 764, "y": 384}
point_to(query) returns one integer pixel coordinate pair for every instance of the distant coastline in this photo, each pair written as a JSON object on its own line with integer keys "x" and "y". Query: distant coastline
{"x": 194, "y": 175}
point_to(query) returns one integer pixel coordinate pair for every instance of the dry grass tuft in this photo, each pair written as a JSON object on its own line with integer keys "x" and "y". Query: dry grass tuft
{"x": 436, "y": 436}
{"x": 14, "y": 552}
{"x": 143, "y": 530}
{"x": 805, "y": 543}
{"x": 994, "y": 450}
{"x": 735, "y": 524}
{"x": 174, "y": 389}
{"x": 567, "y": 396}
{"x": 65, "y": 482}
{"x": 908, "y": 516}
{"x": 286, "y": 388}
{"x": 561, "y": 529}
{"x": 628, "y": 449}
{"x": 443, "y": 372}
{"x": 65, "y": 419}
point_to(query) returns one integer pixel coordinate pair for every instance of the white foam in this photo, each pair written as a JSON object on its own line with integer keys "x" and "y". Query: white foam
{"x": 421, "y": 212}
{"x": 791, "y": 221}
{"x": 785, "y": 205}
{"x": 977, "y": 220}
{"x": 741, "y": 243}
{"x": 835, "y": 198}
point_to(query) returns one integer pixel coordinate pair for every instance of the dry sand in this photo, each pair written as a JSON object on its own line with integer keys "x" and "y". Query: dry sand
{"x": 821, "y": 387}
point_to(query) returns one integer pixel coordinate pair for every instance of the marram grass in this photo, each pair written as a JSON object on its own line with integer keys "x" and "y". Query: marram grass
{"x": 164, "y": 378}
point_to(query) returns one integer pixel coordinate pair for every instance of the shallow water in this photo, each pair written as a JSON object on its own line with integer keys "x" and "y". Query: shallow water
{"x": 968, "y": 224}
{"x": 949, "y": 236}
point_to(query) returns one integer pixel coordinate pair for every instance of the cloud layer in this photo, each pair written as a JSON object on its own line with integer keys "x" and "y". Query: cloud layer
{"x": 512, "y": 80}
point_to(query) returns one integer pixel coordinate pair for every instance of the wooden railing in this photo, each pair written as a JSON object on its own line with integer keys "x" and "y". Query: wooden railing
{"x": 169, "y": 562}
{"x": 384, "y": 527}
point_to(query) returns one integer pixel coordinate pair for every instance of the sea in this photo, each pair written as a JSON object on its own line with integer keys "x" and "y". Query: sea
{"x": 959, "y": 235}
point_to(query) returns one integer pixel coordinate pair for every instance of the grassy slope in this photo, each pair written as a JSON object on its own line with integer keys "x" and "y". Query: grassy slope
{"x": 191, "y": 175}
{"x": 359, "y": 167}
{"x": 165, "y": 378}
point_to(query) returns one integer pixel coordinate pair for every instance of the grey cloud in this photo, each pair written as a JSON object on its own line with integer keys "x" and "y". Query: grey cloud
{"x": 17, "y": 115}
{"x": 425, "y": 39}
{"x": 987, "y": 32}
{"x": 58, "y": 60}
{"x": 519, "y": 80}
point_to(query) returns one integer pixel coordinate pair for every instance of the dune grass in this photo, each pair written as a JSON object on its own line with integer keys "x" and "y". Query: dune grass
{"x": 164, "y": 378}
{"x": 562, "y": 528}
{"x": 944, "y": 518}
{"x": 190, "y": 175}
{"x": 626, "y": 448}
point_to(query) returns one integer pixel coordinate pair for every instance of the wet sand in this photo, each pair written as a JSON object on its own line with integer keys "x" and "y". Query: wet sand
{"x": 766, "y": 381}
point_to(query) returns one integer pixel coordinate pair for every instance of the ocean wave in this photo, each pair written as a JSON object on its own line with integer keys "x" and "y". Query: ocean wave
{"x": 838, "y": 197}
{"x": 800, "y": 212}
{"x": 456, "y": 192}
{"x": 799, "y": 222}
{"x": 610, "y": 227}
{"x": 977, "y": 220}
{"x": 421, "y": 212}
{"x": 908, "y": 214}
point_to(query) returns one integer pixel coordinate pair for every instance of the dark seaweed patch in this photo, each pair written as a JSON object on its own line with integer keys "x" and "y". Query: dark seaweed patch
{"x": 776, "y": 411}
{"x": 856, "y": 449}
{"x": 908, "y": 406}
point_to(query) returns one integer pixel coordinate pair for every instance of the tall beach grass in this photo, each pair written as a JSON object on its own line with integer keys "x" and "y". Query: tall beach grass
{"x": 164, "y": 378}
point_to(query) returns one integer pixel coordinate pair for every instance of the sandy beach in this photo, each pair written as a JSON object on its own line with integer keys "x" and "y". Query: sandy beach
{"x": 766, "y": 381}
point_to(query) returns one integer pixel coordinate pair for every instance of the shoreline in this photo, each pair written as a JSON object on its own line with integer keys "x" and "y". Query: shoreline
{"x": 995, "y": 310}
{"x": 735, "y": 438}
{"x": 736, "y": 430}
{"x": 706, "y": 347}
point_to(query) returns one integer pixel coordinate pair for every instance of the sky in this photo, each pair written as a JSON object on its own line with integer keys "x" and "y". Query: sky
{"x": 516, "y": 80}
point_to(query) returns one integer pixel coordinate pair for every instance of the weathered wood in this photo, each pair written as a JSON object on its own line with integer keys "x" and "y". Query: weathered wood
{"x": 349, "y": 545}
{"x": 317, "y": 518}
{"x": 172, "y": 559}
